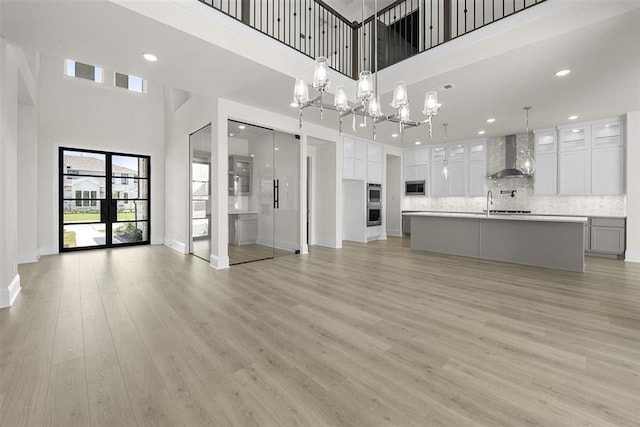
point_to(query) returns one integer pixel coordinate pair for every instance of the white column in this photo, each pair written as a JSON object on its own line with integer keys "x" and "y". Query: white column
{"x": 633, "y": 187}
{"x": 219, "y": 195}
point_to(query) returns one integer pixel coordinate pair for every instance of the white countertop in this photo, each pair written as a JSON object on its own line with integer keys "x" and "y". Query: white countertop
{"x": 512, "y": 217}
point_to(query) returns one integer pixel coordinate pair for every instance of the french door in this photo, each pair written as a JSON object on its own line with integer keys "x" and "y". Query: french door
{"x": 104, "y": 199}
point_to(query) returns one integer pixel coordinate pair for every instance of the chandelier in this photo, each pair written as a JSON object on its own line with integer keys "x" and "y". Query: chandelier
{"x": 367, "y": 94}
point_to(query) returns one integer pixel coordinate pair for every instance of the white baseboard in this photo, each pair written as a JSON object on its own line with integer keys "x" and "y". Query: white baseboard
{"x": 329, "y": 243}
{"x": 305, "y": 249}
{"x": 8, "y": 296}
{"x": 632, "y": 256}
{"x": 175, "y": 245}
{"x": 27, "y": 257}
{"x": 394, "y": 232}
{"x": 48, "y": 251}
{"x": 219, "y": 263}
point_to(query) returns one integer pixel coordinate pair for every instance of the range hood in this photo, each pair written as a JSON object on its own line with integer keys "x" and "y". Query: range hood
{"x": 511, "y": 154}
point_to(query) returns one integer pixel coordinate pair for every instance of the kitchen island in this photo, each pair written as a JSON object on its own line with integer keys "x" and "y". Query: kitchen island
{"x": 545, "y": 241}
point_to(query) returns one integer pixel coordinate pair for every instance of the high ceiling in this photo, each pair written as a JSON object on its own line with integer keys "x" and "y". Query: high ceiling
{"x": 496, "y": 71}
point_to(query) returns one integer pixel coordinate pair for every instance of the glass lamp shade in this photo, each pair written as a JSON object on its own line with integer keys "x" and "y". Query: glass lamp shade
{"x": 400, "y": 96}
{"x": 301, "y": 92}
{"x": 321, "y": 73}
{"x": 340, "y": 101}
{"x": 445, "y": 170}
{"x": 405, "y": 112}
{"x": 375, "y": 109}
{"x": 529, "y": 165}
{"x": 365, "y": 86}
{"x": 430, "y": 103}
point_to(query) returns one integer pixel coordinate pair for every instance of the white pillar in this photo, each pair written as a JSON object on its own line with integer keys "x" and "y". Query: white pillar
{"x": 633, "y": 186}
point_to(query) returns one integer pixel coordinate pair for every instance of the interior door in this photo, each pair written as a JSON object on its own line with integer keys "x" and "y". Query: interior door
{"x": 264, "y": 219}
{"x": 104, "y": 199}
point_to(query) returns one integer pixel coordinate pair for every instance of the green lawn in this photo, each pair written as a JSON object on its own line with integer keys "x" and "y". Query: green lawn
{"x": 69, "y": 239}
{"x": 95, "y": 217}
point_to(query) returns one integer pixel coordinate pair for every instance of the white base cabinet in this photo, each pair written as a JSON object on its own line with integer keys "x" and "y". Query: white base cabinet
{"x": 243, "y": 228}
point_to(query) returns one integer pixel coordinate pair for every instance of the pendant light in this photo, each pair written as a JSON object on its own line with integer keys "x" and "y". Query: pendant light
{"x": 445, "y": 166}
{"x": 529, "y": 164}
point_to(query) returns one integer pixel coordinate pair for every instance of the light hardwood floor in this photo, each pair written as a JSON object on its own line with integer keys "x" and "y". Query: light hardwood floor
{"x": 372, "y": 334}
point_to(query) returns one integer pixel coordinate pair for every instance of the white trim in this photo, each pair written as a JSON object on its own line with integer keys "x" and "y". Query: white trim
{"x": 305, "y": 249}
{"x": 632, "y": 256}
{"x": 175, "y": 245}
{"x": 329, "y": 243}
{"x": 394, "y": 232}
{"x": 8, "y": 297}
{"x": 219, "y": 263}
{"x": 27, "y": 257}
{"x": 48, "y": 251}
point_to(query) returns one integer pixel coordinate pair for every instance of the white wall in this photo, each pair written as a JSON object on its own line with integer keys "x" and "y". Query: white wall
{"x": 188, "y": 117}
{"x": 9, "y": 278}
{"x": 28, "y": 243}
{"x": 393, "y": 196}
{"x": 633, "y": 187}
{"x": 79, "y": 113}
{"x": 326, "y": 180}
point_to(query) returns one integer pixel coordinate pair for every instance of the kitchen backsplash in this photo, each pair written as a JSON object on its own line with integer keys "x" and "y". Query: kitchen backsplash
{"x": 524, "y": 198}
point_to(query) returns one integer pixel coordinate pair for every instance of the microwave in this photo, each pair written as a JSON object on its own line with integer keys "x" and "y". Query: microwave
{"x": 414, "y": 188}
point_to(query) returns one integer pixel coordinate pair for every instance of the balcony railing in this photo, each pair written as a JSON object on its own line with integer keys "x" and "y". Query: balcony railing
{"x": 405, "y": 28}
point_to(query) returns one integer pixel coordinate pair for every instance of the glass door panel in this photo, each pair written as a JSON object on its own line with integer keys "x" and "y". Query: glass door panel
{"x": 200, "y": 203}
{"x": 287, "y": 175}
{"x": 99, "y": 212}
{"x": 251, "y": 208}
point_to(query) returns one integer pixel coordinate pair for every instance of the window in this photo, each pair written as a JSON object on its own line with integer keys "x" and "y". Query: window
{"x": 132, "y": 83}
{"x": 124, "y": 180}
{"x": 85, "y": 195}
{"x": 78, "y": 198}
{"x": 93, "y": 198}
{"x": 83, "y": 71}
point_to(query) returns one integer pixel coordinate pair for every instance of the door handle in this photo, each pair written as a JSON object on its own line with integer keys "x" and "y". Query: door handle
{"x": 276, "y": 193}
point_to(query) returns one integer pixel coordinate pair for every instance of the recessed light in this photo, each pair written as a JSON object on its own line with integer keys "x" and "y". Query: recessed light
{"x": 491, "y": 120}
{"x": 150, "y": 57}
{"x": 231, "y": 134}
{"x": 563, "y": 73}
{"x": 395, "y": 135}
{"x": 439, "y": 104}
{"x": 481, "y": 132}
{"x": 361, "y": 124}
{"x": 253, "y": 155}
{"x": 575, "y": 116}
{"x": 575, "y": 130}
{"x": 418, "y": 142}
{"x": 276, "y": 149}
{"x": 294, "y": 104}
{"x": 242, "y": 127}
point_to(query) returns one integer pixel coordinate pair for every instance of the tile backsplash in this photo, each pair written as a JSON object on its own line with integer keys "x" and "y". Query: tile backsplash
{"x": 524, "y": 198}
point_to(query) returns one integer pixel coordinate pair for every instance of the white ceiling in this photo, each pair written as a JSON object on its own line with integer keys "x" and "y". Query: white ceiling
{"x": 495, "y": 71}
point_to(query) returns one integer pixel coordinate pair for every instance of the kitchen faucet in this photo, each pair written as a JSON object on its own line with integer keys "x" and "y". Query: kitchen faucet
{"x": 489, "y": 199}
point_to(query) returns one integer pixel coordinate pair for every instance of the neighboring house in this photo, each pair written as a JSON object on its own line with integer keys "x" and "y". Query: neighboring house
{"x": 85, "y": 190}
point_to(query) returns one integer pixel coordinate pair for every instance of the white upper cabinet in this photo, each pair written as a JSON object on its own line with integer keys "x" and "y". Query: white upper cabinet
{"x": 606, "y": 135}
{"x": 574, "y": 138}
{"x": 477, "y": 151}
{"x": 575, "y": 174}
{"x": 354, "y": 158}
{"x": 456, "y": 152}
{"x": 422, "y": 156}
{"x": 546, "y": 172}
{"x": 591, "y": 159}
{"x": 374, "y": 152}
{"x": 438, "y": 154}
{"x": 416, "y": 164}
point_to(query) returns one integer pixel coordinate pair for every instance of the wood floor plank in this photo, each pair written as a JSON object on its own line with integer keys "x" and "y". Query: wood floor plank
{"x": 372, "y": 334}
{"x": 108, "y": 400}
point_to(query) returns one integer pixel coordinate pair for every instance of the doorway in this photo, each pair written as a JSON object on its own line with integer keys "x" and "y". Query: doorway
{"x": 263, "y": 193}
{"x": 200, "y": 203}
{"x": 104, "y": 199}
